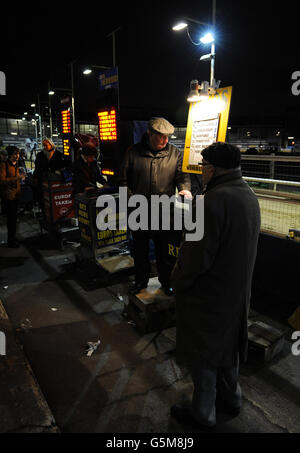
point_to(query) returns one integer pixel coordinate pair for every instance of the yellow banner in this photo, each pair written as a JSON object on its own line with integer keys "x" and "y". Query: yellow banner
{"x": 207, "y": 123}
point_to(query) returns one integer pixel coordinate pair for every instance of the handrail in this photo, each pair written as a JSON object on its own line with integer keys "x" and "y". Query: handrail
{"x": 272, "y": 181}
{"x": 271, "y": 158}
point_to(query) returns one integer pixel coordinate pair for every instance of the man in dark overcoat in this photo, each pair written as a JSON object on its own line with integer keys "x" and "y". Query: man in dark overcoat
{"x": 212, "y": 280}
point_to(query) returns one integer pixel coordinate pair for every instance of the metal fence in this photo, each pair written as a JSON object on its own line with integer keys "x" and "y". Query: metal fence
{"x": 276, "y": 182}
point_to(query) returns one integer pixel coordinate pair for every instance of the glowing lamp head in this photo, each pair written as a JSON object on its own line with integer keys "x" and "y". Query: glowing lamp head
{"x": 179, "y": 26}
{"x": 207, "y": 39}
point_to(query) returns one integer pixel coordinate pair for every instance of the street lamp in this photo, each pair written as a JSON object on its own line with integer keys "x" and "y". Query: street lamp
{"x": 88, "y": 70}
{"x": 179, "y": 26}
{"x": 208, "y": 38}
{"x": 37, "y": 114}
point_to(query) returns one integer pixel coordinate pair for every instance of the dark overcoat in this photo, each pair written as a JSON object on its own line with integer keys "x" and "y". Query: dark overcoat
{"x": 43, "y": 165}
{"x": 85, "y": 175}
{"x": 212, "y": 277}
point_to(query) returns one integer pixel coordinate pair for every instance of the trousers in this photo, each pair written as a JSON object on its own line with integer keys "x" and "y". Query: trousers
{"x": 11, "y": 210}
{"x": 211, "y": 384}
{"x": 164, "y": 261}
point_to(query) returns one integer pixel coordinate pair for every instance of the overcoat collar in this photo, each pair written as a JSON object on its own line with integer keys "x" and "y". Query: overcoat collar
{"x": 235, "y": 174}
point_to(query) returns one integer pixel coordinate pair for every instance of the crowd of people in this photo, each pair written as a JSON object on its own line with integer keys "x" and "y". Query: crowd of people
{"x": 14, "y": 173}
{"x": 211, "y": 279}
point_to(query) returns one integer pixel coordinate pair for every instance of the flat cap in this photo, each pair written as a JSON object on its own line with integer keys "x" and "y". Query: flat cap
{"x": 161, "y": 126}
{"x": 223, "y": 155}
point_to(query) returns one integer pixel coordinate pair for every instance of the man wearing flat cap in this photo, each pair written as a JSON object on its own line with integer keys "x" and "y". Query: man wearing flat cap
{"x": 212, "y": 283}
{"x": 153, "y": 167}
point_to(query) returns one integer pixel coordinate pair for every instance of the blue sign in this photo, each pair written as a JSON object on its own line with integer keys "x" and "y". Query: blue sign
{"x": 109, "y": 79}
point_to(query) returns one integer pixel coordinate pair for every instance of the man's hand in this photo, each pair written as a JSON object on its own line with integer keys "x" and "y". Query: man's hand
{"x": 186, "y": 193}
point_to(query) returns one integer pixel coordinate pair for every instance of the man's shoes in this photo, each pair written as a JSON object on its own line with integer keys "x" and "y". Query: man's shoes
{"x": 13, "y": 244}
{"x": 136, "y": 288}
{"x": 184, "y": 415}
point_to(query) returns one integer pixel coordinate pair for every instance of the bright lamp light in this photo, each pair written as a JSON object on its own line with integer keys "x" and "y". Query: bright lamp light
{"x": 179, "y": 26}
{"x": 87, "y": 71}
{"x": 207, "y": 39}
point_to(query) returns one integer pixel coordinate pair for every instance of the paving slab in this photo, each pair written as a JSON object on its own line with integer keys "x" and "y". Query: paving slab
{"x": 23, "y": 408}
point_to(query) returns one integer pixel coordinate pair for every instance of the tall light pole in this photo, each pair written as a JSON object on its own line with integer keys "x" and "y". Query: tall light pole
{"x": 37, "y": 113}
{"x": 113, "y": 35}
{"x": 50, "y": 93}
{"x": 73, "y": 98}
{"x": 213, "y": 47}
{"x": 207, "y": 39}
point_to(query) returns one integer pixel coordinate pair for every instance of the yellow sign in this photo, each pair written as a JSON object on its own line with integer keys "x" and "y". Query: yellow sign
{"x": 207, "y": 123}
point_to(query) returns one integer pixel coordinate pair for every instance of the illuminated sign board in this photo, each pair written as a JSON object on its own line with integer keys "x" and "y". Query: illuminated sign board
{"x": 66, "y": 121}
{"x": 207, "y": 123}
{"x": 66, "y": 130}
{"x": 108, "y": 125}
{"x": 109, "y": 79}
{"x": 66, "y": 146}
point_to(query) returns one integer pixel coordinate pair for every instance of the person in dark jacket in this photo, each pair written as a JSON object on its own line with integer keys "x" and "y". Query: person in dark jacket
{"x": 153, "y": 167}
{"x": 212, "y": 281}
{"x": 86, "y": 173}
{"x": 10, "y": 192}
{"x": 48, "y": 161}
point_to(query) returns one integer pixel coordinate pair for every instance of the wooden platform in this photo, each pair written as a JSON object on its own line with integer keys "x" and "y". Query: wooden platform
{"x": 266, "y": 337}
{"x": 151, "y": 310}
{"x": 117, "y": 263}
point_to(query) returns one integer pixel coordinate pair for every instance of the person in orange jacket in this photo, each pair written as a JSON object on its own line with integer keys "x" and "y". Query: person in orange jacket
{"x": 10, "y": 178}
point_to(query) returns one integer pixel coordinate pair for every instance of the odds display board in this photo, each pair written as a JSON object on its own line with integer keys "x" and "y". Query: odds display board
{"x": 207, "y": 123}
{"x": 107, "y": 121}
{"x": 66, "y": 130}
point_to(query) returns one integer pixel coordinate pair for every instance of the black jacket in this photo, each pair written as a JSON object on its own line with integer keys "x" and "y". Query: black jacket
{"x": 43, "y": 166}
{"x": 212, "y": 277}
{"x": 85, "y": 175}
{"x": 148, "y": 173}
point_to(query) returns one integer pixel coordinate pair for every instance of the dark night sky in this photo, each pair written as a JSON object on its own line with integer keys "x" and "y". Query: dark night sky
{"x": 256, "y": 52}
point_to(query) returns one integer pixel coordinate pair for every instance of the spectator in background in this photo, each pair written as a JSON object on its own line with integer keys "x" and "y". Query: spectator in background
{"x": 86, "y": 173}
{"x": 48, "y": 161}
{"x": 22, "y": 158}
{"x": 3, "y": 158}
{"x": 10, "y": 191}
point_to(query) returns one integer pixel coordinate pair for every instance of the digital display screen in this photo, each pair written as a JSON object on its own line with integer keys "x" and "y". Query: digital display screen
{"x": 66, "y": 145}
{"x": 108, "y": 125}
{"x": 66, "y": 121}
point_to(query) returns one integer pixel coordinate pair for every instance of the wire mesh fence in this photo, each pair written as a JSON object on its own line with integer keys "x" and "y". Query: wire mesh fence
{"x": 276, "y": 182}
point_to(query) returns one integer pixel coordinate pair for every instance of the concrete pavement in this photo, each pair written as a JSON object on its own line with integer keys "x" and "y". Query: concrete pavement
{"x": 130, "y": 382}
